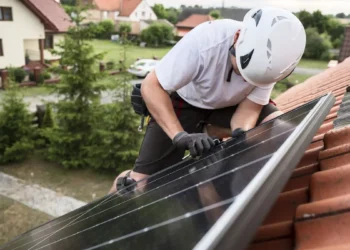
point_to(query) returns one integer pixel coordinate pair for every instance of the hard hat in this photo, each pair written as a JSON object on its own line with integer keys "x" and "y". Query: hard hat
{"x": 271, "y": 44}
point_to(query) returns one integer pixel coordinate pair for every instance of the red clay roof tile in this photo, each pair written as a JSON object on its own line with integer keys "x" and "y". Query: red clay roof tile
{"x": 345, "y": 49}
{"x": 284, "y": 208}
{"x": 194, "y": 20}
{"x": 274, "y": 231}
{"x": 51, "y": 14}
{"x": 297, "y": 183}
{"x": 330, "y": 183}
{"x": 323, "y": 232}
{"x": 125, "y": 7}
{"x": 285, "y": 244}
{"x": 338, "y": 161}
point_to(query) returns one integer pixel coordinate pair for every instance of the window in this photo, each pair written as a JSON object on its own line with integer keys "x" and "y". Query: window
{"x": 143, "y": 13}
{"x": 116, "y": 14}
{"x": 1, "y": 49}
{"x": 135, "y": 14}
{"x": 5, "y": 14}
{"x": 105, "y": 14}
{"x": 49, "y": 41}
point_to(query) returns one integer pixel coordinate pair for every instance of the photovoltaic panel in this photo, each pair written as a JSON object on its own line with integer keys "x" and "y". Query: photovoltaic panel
{"x": 174, "y": 208}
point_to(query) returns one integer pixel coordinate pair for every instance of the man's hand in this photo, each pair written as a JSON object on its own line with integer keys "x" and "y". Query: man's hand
{"x": 196, "y": 143}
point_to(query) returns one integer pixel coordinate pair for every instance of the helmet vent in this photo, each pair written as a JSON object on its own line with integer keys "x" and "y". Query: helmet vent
{"x": 269, "y": 45}
{"x": 280, "y": 18}
{"x": 245, "y": 60}
{"x": 274, "y": 21}
{"x": 268, "y": 54}
{"x": 257, "y": 17}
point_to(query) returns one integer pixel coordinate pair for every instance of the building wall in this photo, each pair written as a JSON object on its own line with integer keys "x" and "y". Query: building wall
{"x": 25, "y": 25}
{"x": 143, "y": 12}
{"x": 31, "y": 48}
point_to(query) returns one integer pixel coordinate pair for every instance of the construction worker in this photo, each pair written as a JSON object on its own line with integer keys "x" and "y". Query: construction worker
{"x": 221, "y": 74}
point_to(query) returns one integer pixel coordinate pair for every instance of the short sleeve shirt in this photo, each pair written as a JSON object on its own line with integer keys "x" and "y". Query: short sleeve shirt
{"x": 198, "y": 65}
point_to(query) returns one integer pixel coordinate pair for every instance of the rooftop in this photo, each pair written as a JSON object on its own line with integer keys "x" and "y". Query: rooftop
{"x": 194, "y": 20}
{"x": 50, "y": 13}
{"x": 125, "y": 7}
{"x": 313, "y": 211}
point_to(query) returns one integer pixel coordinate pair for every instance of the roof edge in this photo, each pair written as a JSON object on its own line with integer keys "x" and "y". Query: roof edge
{"x": 40, "y": 15}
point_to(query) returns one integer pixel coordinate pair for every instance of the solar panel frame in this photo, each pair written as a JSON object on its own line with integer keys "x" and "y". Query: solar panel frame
{"x": 237, "y": 226}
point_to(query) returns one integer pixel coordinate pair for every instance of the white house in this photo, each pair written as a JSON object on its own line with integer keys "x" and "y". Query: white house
{"x": 121, "y": 11}
{"x": 30, "y": 28}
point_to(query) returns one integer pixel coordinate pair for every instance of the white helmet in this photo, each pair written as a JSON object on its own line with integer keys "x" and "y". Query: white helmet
{"x": 271, "y": 44}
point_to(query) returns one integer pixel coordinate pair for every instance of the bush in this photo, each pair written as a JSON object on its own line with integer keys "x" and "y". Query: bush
{"x": 48, "y": 121}
{"x": 46, "y": 75}
{"x": 17, "y": 74}
{"x": 317, "y": 46}
{"x": 15, "y": 127}
{"x": 31, "y": 77}
{"x": 104, "y": 29}
{"x": 124, "y": 29}
{"x": 110, "y": 65}
{"x": 41, "y": 79}
{"x": 215, "y": 14}
{"x": 157, "y": 34}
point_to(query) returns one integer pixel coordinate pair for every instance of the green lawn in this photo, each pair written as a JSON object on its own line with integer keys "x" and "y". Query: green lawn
{"x": 293, "y": 79}
{"x": 82, "y": 184}
{"x": 114, "y": 51}
{"x": 16, "y": 218}
{"x": 314, "y": 64}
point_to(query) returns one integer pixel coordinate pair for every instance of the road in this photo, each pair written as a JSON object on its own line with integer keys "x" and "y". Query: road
{"x": 34, "y": 101}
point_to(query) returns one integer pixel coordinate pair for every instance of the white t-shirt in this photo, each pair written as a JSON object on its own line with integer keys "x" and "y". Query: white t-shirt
{"x": 198, "y": 65}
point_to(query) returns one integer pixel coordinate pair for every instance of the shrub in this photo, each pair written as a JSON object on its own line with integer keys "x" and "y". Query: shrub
{"x": 15, "y": 127}
{"x": 157, "y": 34}
{"x": 17, "y": 74}
{"x": 31, "y": 77}
{"x": 48, "y": 120}
{"x": 317, "y": 46}
{"x": 104, "y": 29}
{"x": 110, "y": 65}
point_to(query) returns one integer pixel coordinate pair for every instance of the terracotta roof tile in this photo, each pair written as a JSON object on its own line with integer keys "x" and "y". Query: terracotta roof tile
{"x": 322, "y": 232}
{"x": 194, "y": 20}
{"x": 330, "y": 183}
{"x": 274, "y": 231}
{"x": 125, "y": 7}
{"x": 108, "y": 5}
{"x": 285, "y": 244}
{"x": 51, "y": 14}
{"x": 323, "y": 173}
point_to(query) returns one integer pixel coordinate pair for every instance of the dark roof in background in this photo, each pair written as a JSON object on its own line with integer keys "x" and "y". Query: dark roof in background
{"x": 345, "y": 49}
{"x": 313, "y": 210}
{"x": 50, "y": 13}
{"x": 227, "y": 13}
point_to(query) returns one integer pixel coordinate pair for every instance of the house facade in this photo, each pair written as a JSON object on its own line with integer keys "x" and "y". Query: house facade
{"x": 133, "y": 12}
{"x": 29, "y": 29}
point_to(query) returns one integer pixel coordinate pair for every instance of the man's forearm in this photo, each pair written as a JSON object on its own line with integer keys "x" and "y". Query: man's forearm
{"x": 159, "y": 105}
{"x": 246, "y": 115}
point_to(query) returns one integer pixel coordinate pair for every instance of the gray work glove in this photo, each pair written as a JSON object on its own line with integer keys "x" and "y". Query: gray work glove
{"x": 197, "y": 144}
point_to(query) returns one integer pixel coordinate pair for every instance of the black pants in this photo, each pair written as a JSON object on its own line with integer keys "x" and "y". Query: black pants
{"x": 157, "y": 150}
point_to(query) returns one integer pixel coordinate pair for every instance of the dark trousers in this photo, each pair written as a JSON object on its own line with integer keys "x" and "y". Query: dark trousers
{"x": 157, "y": 150}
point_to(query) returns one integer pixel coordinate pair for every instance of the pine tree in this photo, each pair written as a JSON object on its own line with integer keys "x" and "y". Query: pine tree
{"x": 15, "y": 126}
{"x": 69, "y": 140}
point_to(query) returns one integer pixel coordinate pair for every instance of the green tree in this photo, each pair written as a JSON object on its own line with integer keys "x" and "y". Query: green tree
{"x": 104, "y": 29}
{"x": 320, "y": 21}
{"x": 157, "y": 34}
{"x": 71, "y": 138}
{"x": 48, "y": 121}
{"x": 173, "y": 15}
{"x": 160, "y": 11}
{"x": 69, "y": 2}
{"x": 215, "y": 14}
{"x": 340, "y": 15}
{"x": 306, "y": 18}
{"x": 317, "y": 46}
{"x": 336, "y": 31}
{"x": 15, "y": 127}
{"x": 124, "y": 29}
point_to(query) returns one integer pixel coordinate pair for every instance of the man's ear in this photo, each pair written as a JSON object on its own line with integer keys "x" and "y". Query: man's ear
{"x": 237, "y": 36}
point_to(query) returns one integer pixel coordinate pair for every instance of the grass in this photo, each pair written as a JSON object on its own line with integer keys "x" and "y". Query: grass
{"x": 82, "y": 184}
{"x": 38, "y": 90}
{"x": 16, "y": 218}
{"x": 114, "y": 51}
{"x": 293, "y": 79}
{"x": 314, "y": 64}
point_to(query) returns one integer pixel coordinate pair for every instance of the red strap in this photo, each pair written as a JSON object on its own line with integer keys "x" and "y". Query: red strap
{"x": 272, "y": 102}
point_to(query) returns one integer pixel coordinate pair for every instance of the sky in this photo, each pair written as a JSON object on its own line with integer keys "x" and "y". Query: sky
{"x": 326, "y": 6}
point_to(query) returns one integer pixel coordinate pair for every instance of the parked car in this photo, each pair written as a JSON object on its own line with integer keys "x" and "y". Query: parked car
{"x": 142, "y": 67}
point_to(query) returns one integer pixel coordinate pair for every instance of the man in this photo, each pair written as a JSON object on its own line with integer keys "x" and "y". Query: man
{"x": 221, "y": 73}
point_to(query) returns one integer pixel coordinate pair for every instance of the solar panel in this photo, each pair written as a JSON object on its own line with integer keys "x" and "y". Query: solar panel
{"x": 178, "y": 207}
